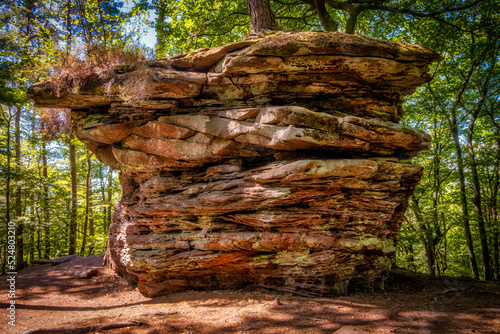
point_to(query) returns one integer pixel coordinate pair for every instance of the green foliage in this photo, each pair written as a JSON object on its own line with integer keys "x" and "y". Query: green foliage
{"x": 32, "y": 35}
{"x": 465, "y": 83}
{"x": 185, "y": 25}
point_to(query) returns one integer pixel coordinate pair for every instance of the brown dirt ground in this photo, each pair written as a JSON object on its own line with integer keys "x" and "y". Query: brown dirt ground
{"x": 50, "y": 296}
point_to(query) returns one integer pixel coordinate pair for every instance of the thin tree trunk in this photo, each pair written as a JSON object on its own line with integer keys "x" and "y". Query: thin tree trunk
{"x": 7, "y": 186}
{"x": 86, "y": 225}
{"x": 74, "y": 197}
{"x": 89, "y": 201}
{"x": 426, "y": 230}
{"x": 463, "y": 198}
{"x": 68, "y": 27}
{"x": 110, "y": 193}
{"x": 261, "y": 16}
{"x": 476, "y": 200}
{"x": 45, "y": 200}
{"x": 494, "y": 220}
{"x": 496, "y": 266}
{"x": 31, "y": 248}
{"x": 410, "y": 263}
{"x": 4, "y": 258}
{"x": 444, "y": 264}
{"x": 72, "y": 153}
{"x": 103, "y": 195}
{"x": 18, "y": 208}
{"x": 493, "y": 201}
{"x": 436, "y": 185}
{"x": 160, "y": 25}
{"x": 454, "y": 126}
{"x": 7, "y": 193}
{"x": 102, "y": 23}
{"x": 38, "y": 243}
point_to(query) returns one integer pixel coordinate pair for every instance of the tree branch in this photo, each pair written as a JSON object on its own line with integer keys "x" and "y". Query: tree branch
{"x": 324, "y": 17}
{"x": 354, "y": 8}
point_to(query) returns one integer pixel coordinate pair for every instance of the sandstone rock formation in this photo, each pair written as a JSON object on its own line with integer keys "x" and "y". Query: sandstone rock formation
{"x": 277, "y": 161}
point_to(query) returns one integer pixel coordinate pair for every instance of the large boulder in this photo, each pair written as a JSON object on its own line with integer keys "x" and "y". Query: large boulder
{"x": 277, "y": 160}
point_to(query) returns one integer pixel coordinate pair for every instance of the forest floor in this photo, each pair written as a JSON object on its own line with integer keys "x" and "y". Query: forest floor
{"x": 51, "y": 296}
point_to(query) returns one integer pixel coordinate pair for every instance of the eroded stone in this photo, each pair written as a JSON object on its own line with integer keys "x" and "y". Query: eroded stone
{"x": 277, "y": 160}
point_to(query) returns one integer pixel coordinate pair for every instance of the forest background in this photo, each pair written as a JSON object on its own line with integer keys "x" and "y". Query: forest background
{"x": 60, "y": 198}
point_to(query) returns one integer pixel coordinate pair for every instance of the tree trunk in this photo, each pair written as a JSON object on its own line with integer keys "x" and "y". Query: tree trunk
{"x": 261, "y": 16}
{"x": 89, "y": 191}
{"x": 72, "y": 153}
{"x": 102, "y": 23}
{"x": 4, "y": 258}
{"x": 410, "y": 258}
{"x": 110, "y": 193}
{"x": 74, "y": 194}
{"x": 31, "y": 248}
{"x": 45, "y": 200}
{"x": 436, "y": 185}
{"x": 89, "y": 223}
{"x": 494, "y": 216}
{"x": 496, "y": 266}
{"x": 7, "y": 186}
{"x": 426, "y": 235}
{"x": 160, "y": 24}
{"x": 18, "y": 208}
{"x": 351, "y": 21}
{"x": 68, "y": 27}
{"x": 103, "y": 194}
{"x": 324, "y": 17}
{"x": 493, "y": 210}
{"x": 38, "y": 243}
{"x": 7, "y": 194}
{"x": 476, "y": 200}
{"x": 463, "y": 198}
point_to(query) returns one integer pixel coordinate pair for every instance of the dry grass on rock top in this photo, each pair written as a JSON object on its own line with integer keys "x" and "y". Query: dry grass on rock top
{"x": 50, "y": 296}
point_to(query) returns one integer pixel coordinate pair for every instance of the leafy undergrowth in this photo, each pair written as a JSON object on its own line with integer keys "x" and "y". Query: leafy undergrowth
{"x": 50, "y": 296}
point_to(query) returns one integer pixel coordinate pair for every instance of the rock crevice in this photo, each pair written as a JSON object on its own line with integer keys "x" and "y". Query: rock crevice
{"x": 276, "y": 160}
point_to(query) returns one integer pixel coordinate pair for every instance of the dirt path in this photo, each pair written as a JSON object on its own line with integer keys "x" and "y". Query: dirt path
{"x": 50, "y": 296}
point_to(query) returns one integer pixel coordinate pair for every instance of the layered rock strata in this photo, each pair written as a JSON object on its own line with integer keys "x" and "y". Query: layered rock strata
{"x": 276, "y": 161}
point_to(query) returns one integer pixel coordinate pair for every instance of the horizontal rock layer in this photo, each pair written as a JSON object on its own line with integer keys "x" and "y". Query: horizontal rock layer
{"x": 276, "y": 160}
{"x": 314, "y": 221}
{"x": 329, "y": 72}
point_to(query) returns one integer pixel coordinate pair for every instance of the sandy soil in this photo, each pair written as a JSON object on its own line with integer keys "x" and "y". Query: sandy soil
{"x": 51, "y": 296}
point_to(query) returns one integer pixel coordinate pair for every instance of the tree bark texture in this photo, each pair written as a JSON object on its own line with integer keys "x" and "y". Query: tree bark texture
{"x": 261, "y": 16}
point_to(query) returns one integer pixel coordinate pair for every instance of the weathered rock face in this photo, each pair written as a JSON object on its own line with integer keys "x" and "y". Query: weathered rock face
{"x": 275, "y": 161}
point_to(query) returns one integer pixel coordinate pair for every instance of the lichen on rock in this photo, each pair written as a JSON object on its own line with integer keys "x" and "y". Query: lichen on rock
{"x": 276, "y": 160}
